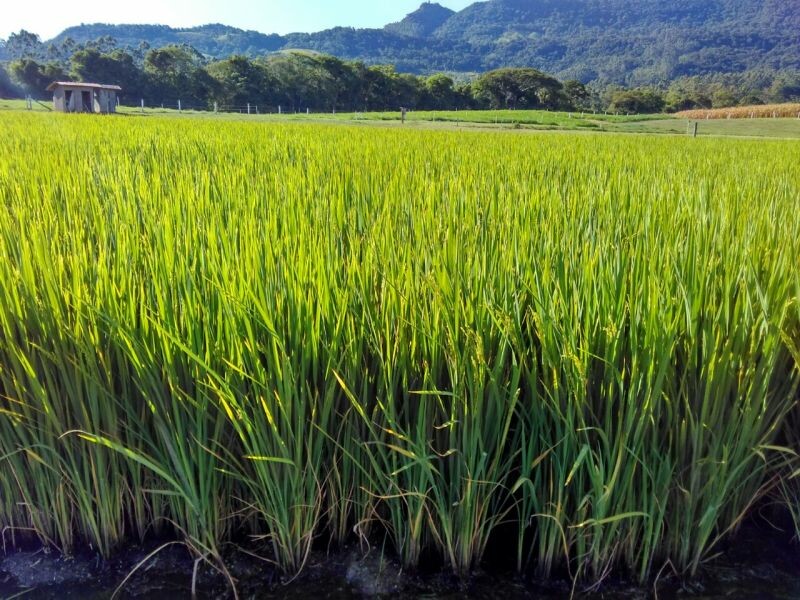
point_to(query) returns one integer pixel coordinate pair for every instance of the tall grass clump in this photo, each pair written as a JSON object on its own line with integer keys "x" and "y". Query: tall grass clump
{"x": 584, "y": 347}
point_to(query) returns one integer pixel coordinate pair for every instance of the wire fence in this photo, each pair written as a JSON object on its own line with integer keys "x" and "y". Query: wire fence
{"x": 251, "y": 108}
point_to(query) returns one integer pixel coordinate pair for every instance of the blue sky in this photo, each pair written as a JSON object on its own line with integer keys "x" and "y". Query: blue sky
{"x": 49, "y": 17}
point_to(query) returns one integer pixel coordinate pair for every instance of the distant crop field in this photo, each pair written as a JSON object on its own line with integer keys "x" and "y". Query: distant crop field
{"x": 524, "y": 120}
{"x": 544, "y": 119}
{"x": 586, "y": 346}
{"x": 523, "y": 117}
{"x": 762, "y": 111}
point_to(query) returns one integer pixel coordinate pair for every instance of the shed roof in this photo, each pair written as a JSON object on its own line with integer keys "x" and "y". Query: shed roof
{"x": 94, "y": 86}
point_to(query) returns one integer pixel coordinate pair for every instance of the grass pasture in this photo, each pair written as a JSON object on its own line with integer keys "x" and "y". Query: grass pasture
{"x": 522, "y": 120}
{"x": 780, "y": 128}
{"x": 516, "y": 120}
{"x": 541, "y": 118}
{"x": 216, "y": 329}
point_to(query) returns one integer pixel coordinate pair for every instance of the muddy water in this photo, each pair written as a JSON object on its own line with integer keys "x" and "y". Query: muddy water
{"x": 756, "y": 565}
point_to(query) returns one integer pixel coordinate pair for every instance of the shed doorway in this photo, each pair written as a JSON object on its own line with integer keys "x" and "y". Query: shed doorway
{"x": 86, "y": 99}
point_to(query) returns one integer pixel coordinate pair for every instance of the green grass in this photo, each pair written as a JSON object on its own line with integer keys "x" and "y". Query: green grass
{"x": 213, "y": 328}
{"x": 766, "y": 128}
{"x": 493, "y": 117}
{"x": 518, "y": 120}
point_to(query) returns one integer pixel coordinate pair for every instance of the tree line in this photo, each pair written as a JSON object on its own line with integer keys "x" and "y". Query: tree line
{"x": 292, "y": 80}
{"x": 723, "y": 90}
{"x": 603, "y": 42}
{"x": 296, "y": 81}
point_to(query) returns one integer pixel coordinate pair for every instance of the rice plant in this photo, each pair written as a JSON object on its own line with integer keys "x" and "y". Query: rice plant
{"x": 277, "y": 334}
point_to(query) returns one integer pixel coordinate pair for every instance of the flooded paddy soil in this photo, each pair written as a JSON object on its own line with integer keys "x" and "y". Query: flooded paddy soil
{"x": 757, "y": 564}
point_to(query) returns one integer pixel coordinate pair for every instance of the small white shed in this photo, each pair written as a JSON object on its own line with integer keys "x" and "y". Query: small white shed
{"x": 71, "y": 96}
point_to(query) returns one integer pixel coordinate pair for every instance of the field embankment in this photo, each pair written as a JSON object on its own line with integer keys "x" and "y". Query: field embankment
{"x": 208, "y": 330}
{"x": 761, "y": 111}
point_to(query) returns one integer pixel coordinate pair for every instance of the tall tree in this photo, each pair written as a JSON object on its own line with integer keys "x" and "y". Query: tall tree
{"x": 576, "y": 93}
{"x": 635, "y": 101}
{"x": 23, "y": 45}
{"x": 346, "y": 83}
{"x": 34, "y": 77}
{"x": 177, "y": 73}
{"x": 7, "y": 89}
{"x": 519, "y": 88}
{"x": 301, "y": 82}
{"x": 384, "y": 88}
{"x": 240, "y": 81}
{"x": 440, "y": 92}
{"x": 116, "y": 68}
{"x": 785, "y": 88}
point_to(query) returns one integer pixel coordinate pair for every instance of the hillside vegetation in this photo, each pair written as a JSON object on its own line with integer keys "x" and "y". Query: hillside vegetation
{"x": 617, "y": 41}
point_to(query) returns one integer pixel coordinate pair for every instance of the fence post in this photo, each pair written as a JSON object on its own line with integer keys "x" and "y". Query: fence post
{"x": 215, "y": 106}
{"x": 279, "y": 110}
{"x": 248, "y": 108}
{"x": 179, "y": 106}
{"x": 142, "y": 104}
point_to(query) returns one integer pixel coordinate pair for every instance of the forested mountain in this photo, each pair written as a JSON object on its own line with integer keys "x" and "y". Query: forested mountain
{"x": 214, "y": 40}
{"x": 604, "y": 41}
{"x": 646, "y": 41}
{"x": 423, "y": 22}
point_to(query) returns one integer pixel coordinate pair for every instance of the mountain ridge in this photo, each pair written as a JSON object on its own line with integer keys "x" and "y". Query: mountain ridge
{"x": 615, "y": 41}
{"x": 423, "y": 22}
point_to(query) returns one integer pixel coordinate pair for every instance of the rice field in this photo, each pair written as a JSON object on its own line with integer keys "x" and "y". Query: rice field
{"x": 284, "y": 335}
{"x": 544, "y": 118}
